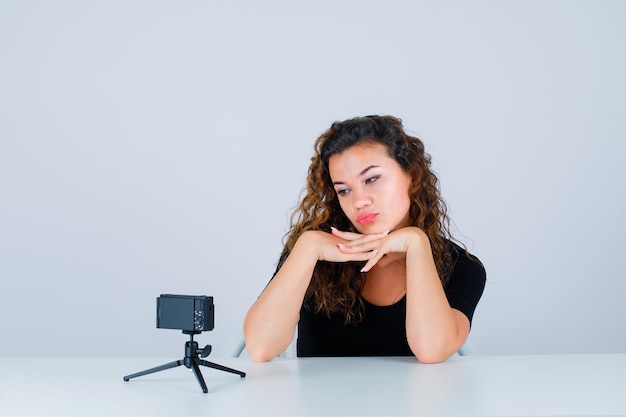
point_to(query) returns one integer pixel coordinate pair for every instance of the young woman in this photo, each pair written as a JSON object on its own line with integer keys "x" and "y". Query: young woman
{"x": 369, "y": 267}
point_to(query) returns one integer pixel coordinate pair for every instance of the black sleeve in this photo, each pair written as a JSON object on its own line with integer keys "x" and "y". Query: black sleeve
{"x": 466, "y": 283}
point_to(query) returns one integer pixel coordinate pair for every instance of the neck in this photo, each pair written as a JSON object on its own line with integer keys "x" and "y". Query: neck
{"x": 385, "y": 285}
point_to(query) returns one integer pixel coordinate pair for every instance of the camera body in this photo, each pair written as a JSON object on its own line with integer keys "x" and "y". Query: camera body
{"x": 190, "y": 313}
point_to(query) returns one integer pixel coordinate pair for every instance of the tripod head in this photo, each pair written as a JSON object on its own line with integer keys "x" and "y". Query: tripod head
{"x": 191, "y": 347}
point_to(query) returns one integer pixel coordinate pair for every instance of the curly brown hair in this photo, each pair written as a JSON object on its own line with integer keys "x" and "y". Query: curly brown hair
{"x": 335, "y": 287}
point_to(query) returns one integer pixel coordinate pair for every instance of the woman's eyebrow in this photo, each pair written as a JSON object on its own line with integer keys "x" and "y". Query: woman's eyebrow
{"x": 360, "y": 174}
{"x": 367, "y": 169}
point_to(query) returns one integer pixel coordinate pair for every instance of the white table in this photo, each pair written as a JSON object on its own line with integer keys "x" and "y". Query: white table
{"x": 474, "y": 385}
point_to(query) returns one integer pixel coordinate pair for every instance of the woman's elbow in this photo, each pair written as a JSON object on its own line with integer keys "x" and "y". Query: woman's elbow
{"x": 260, "y": 348}
{"x": 257, "y": 350}
{"x": 430, "y": 358}
{"x": 430, "y": 353}
{"x": 259, "y": 355}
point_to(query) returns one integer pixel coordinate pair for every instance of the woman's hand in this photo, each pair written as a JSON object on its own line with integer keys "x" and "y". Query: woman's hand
{"x": 384, "y": 248}
{"x": 328, "y": 246}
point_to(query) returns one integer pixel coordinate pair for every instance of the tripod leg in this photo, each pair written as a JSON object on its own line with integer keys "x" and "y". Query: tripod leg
{"x": 199, "y": 377}
{"x": 221, "y": 368}
{"x": 155, "y": 369}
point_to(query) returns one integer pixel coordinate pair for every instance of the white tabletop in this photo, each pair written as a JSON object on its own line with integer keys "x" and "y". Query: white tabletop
{"x": 475, "y": 385}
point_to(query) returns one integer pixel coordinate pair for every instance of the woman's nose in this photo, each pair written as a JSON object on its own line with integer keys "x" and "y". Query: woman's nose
{"x": 361, "y": 198}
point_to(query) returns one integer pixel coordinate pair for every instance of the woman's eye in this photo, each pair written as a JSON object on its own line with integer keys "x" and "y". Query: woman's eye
{"x": 371, "y": 180}
{"x": 343, "y": 192}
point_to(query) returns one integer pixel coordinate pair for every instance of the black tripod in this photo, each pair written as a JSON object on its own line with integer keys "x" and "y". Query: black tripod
{"x": 191, "y": 361}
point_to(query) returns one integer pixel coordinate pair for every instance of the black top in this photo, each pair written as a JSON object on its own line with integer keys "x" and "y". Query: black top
{"x": 382, "y": 330}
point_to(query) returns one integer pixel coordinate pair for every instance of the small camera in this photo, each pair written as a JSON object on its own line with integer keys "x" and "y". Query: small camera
{"x": 190, "y": 313}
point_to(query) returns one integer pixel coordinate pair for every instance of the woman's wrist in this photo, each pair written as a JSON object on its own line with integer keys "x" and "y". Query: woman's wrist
{"x": 306, "y": 246}
{"x": 416, "y": 240}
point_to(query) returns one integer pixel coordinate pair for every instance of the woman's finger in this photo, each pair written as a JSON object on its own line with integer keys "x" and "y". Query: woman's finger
{"x": 371, "y": 262}
{"x": 357, "y": 238}
{"x": 358, "y": 248}
{"x": 358, "y": 256}
{"x": 350, "y": 236}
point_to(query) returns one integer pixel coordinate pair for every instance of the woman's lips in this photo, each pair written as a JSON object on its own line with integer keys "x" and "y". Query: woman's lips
{"x": 366, "y": 218}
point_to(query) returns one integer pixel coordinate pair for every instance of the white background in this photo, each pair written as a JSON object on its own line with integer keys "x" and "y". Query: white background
{"x": 152, "y": 147}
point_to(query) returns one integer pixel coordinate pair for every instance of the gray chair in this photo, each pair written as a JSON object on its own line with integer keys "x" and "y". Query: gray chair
{"x": 237, "y": 344}
{"x": 468, "y": 348}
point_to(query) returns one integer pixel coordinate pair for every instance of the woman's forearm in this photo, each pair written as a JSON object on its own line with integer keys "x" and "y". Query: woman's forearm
{"x": 434, "y": 330}
{"x": 270, "y": 323}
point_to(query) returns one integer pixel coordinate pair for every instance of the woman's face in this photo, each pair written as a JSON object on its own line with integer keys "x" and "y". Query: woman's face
{"x": 372, "y": 188}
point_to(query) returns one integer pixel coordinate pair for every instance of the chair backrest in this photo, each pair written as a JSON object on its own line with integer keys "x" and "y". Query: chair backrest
{"x": 468, "y": 348}
{"x": 234, "y": 346}
{"x": 237, "y": 344}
